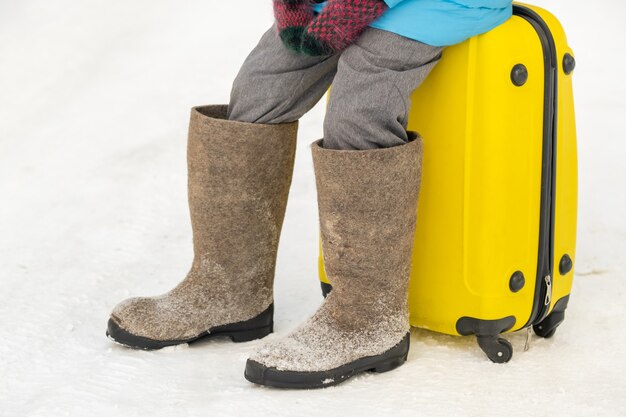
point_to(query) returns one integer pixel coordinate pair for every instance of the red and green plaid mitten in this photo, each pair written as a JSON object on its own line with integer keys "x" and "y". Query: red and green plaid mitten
{"x": 339, "y": 25}
{"x": 291, "y": 17}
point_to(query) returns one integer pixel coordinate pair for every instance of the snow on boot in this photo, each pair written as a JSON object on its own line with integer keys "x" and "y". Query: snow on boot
{"x": 367, "y": 201}
{"x": 239, "y": 175}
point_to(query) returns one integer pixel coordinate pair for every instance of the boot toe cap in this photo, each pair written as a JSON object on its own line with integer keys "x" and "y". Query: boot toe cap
{"x": 139, "y": 316}
{"x": 283, "y": 354}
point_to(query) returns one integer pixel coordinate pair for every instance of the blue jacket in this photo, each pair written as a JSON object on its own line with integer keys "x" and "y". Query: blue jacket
{"x": 441, "y": 22}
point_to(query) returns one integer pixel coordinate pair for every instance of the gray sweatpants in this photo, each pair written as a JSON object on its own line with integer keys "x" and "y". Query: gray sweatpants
{"x": 372, "y": 81}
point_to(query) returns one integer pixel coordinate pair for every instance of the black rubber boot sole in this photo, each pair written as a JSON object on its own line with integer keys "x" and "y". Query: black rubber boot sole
{"x": 243, "y": 331}
{"x": 272, "y": 377}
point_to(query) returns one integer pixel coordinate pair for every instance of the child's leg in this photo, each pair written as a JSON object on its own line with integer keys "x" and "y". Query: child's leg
{"x": 370, "y": 95}
{"x": 277, "y": 85}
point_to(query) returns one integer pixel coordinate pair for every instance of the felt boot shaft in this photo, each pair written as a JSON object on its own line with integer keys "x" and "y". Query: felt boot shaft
{"x": 239, "y": 179}
{"x": 367, "y": 203}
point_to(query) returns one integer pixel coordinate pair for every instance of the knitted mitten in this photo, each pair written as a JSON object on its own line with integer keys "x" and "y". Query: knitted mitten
{"x": 291, "y": 17}
{"x": 339, "y": 25}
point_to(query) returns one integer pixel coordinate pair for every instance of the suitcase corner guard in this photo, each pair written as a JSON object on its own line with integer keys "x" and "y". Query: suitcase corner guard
{"x": 487, "y": 333}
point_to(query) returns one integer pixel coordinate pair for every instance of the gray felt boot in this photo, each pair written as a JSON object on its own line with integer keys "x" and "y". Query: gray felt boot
{"x": 239, "y": 175}
{"x": 367, "y": 202}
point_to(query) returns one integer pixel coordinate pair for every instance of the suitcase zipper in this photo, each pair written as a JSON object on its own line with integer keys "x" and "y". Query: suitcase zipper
{"x": 548, "y": 299}
{"x": 543, "y": 289}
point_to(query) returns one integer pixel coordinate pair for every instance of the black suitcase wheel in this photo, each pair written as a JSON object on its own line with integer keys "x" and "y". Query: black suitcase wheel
{"x": 547, "y": 327}
{"x": 541, "y": 332}
{"x": 497, "y": 349}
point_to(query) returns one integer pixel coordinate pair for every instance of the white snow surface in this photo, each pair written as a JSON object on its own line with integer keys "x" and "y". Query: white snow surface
{"x": 94, "y": 106}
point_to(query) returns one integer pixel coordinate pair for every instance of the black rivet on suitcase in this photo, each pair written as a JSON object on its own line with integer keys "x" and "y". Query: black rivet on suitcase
{"x": 565, "y": 265}
{"x": 517, "y": 281}
{"x": 519, "y": 75}
{"x": 569, "y": 63}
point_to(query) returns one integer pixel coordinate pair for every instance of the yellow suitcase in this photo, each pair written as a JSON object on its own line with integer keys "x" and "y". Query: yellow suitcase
{"x": 496, "y": 226}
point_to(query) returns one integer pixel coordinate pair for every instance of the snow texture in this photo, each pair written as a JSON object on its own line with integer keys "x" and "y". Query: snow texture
{"x": 94, "y": 105}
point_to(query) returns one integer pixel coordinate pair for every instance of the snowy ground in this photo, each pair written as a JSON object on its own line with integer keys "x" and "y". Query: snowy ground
{"x": 94, "y": 105}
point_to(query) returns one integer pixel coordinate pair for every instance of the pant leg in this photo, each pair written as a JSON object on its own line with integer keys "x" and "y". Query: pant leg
{"x": 277, "y": 85}
{"x": 370, "y": 95}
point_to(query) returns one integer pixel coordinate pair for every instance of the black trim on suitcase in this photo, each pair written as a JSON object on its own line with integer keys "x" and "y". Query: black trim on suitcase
{"x": 541, "y": 304}
{"x": 467, "y": 326}
{"x": 326, "y": 288}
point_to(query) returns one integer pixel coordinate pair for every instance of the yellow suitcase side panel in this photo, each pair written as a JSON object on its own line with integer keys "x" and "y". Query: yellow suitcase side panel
{"x": 495, "y": 196}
